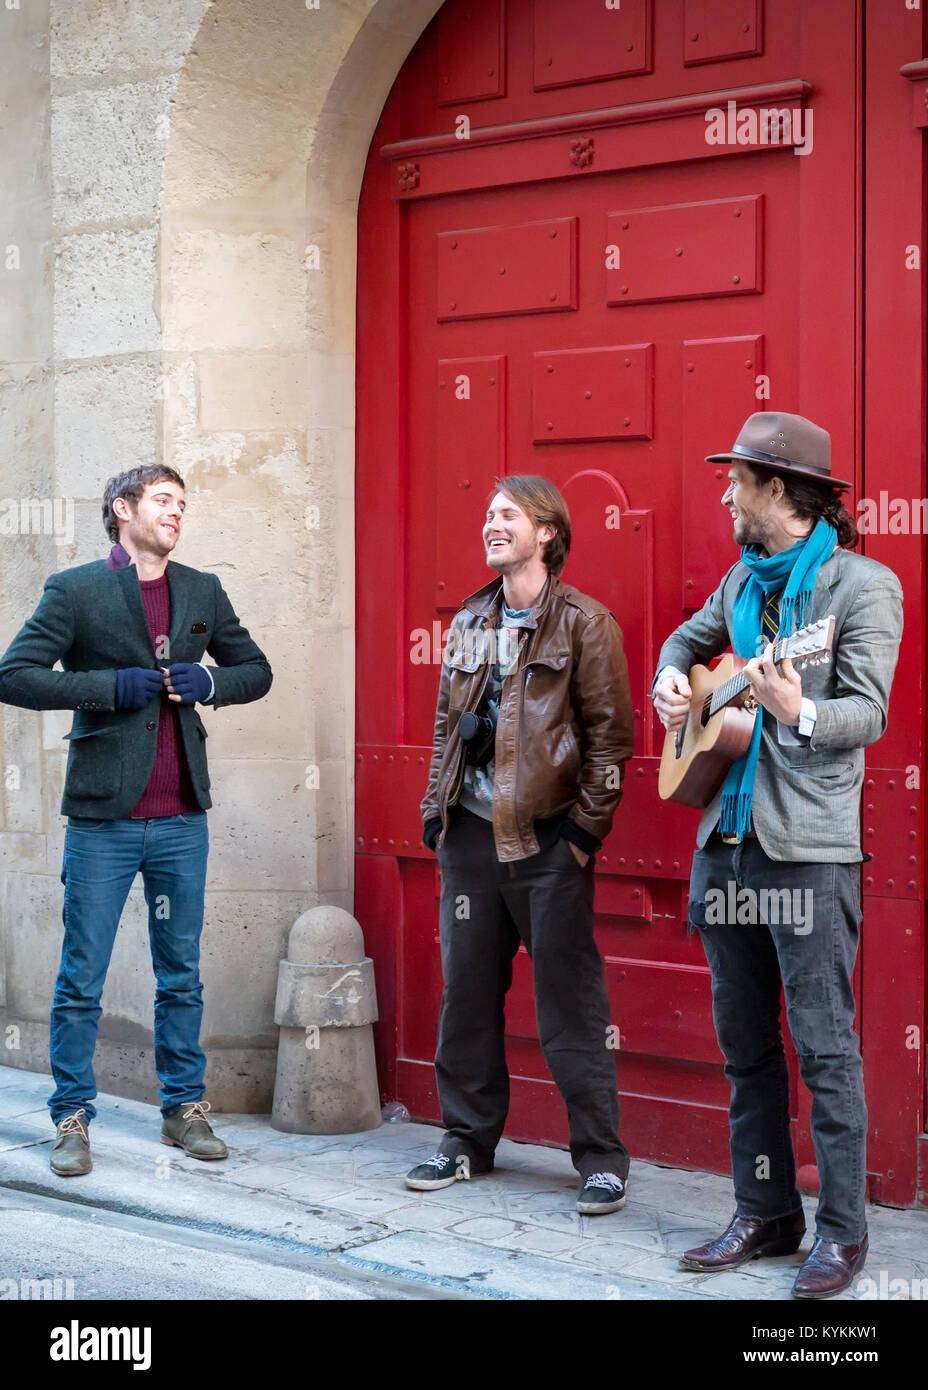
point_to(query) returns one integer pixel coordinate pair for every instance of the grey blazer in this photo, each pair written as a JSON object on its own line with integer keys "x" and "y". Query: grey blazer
{"x": 806, "y": 803}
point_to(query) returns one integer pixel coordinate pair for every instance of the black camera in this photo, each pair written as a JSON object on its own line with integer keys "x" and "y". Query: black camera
{"x": 478, "y": 734}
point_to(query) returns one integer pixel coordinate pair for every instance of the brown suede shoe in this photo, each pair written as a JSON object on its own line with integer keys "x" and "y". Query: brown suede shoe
{"x": 829, "y": 1268}
{"x": 746, "y": 1238}
{"x": 70, "y": 1156}
{"x": 188, "y": 1129}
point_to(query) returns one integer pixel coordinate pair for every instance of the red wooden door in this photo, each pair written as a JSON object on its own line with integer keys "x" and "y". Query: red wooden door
{"x": 561, "y": 272}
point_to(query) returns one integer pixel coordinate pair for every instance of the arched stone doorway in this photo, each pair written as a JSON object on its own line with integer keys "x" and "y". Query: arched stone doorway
{"x": 268, "y": 137}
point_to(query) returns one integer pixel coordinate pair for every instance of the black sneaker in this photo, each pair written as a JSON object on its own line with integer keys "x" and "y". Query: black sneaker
{"x": 441, "y": 1170}
{"x": 602, "y": 1193}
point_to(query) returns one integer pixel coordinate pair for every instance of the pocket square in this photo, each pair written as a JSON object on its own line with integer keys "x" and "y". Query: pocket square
{"x": 198, "y": 627}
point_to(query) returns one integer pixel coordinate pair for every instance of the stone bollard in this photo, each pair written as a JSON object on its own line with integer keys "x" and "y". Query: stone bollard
{"x": 326, "y": 1002}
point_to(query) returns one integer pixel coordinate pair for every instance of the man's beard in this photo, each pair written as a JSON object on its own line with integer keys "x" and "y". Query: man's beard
{"x": 747, "y": 532}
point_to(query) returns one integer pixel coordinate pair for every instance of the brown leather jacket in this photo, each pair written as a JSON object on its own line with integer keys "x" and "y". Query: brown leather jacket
{"x": 565, "y": 726}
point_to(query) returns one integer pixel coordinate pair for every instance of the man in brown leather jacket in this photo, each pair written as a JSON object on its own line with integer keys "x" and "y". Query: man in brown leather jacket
{"x": 515, "y": 816}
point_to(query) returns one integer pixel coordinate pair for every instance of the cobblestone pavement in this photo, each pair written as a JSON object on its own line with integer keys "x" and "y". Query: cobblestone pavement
{"x": 514, "y": 1233}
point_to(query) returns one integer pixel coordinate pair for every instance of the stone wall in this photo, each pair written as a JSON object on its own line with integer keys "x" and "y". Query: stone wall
{"x": 173, "y": 163}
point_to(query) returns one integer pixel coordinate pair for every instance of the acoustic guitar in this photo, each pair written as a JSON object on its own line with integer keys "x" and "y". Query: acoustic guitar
{"x": 720, "y": 724}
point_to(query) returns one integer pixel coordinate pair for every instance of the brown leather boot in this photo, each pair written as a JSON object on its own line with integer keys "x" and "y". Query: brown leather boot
{"x": 829, "y": 1268}
{"x": 746, "y": 1238}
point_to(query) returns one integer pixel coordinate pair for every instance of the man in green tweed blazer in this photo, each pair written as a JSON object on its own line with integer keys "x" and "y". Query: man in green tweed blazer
{"x": 130, "y": 633}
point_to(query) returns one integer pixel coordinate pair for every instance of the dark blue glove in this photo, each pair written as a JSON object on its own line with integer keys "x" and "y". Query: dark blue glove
{"x": 136, "y": 685}
{"x": 190, "y": 681}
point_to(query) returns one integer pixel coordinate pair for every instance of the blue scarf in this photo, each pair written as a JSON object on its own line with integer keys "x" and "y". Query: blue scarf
{"x": 797, "y": 568}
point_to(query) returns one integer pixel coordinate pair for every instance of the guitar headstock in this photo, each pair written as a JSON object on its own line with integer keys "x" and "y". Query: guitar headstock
{"x": 811, "y": 644}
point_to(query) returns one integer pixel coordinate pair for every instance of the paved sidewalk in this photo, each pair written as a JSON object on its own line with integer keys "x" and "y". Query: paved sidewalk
{"x": 514, "y": 1234}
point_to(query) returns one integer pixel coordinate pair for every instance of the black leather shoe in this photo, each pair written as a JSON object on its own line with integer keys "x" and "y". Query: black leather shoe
{"x": 747, "y": 1237}
{"x": 829, "y": 1268}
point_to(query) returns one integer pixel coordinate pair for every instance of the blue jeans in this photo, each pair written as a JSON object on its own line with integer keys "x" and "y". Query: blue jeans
{"x": 101, "y": 859}
{"x": 797, "y": 922}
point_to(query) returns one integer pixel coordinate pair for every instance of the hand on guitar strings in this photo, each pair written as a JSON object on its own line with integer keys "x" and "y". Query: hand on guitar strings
{"x": 777, "y": 688}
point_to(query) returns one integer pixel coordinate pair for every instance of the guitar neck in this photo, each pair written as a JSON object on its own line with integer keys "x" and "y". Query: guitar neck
{"x": 734, "y": 686}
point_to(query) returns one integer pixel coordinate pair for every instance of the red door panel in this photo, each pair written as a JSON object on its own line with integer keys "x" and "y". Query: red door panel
{"x": 585, "y": 288}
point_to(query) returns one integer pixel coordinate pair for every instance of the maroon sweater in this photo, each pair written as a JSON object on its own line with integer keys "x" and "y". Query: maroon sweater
{"x": 169, "y": 791}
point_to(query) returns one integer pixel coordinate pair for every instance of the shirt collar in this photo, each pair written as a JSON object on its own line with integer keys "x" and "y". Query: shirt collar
{"x": 118, "y": 558}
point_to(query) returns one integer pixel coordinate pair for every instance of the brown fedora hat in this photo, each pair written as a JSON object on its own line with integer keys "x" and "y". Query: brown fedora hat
{"x": 789, "y": 443}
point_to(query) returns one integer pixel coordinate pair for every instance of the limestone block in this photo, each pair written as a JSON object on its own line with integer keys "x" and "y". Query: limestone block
{"x": 250, "y": 159}
{"x": 236, "y": 43}
{"x": 107, "y": 151}
{"x": 332, "y": 656}
{"x": 224, "y": 291}
{"x": 54, "y": 763}
{"x": 23, "y": 851}
{"x": 106, "y": 420}
{"x": 26, "y": 431}
{"x": 244, "y": 936}
{"x": 240, "y": 1080}
{"x": 32, "y": 1052}
{"x": 55, "y": 724}
{"x": 26, "y": 320}
{"x": 21, "y": 771}
{"x": 24, "y": 150}
{"x": 281, "y": 725}
{"x": 262, "y": 831}
{"x": 116, "y": 37}
{"x": 331, "y": 390}
{"x": 260, "y": 557}
{"x": 326, "y": 452}
{"x": 334, "y": 842}
{"x": 90, "y": 542}
{"x": 332, "y": 286}
{"x": 226, "y": 472}
{"x": 256, "y": 392}
{"x": 228, "y": 467}
{"x": 105, "y": 286}
{"x": 378, "y": 51}
{"x": 32, "y": 934}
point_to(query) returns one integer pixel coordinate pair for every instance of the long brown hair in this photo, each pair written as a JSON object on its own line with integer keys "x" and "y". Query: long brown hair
{"x": 544, "y": 506}
{"x": 811, "y": 500}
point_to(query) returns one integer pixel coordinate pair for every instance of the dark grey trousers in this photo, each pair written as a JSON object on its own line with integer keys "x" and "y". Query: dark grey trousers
{"x": 486, "y": 909}
{"x": 809, "y": 941}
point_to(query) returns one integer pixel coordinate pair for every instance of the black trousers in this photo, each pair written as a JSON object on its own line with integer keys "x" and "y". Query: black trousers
{"x": 766, "y": 921}
{"x": 486, "y": 909}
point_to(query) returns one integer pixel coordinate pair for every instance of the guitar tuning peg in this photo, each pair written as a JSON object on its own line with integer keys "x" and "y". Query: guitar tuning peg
{"x": 826, "y": 658}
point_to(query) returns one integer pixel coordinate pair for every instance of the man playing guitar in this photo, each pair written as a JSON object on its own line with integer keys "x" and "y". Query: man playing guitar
{"x": 785, "y": 825}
